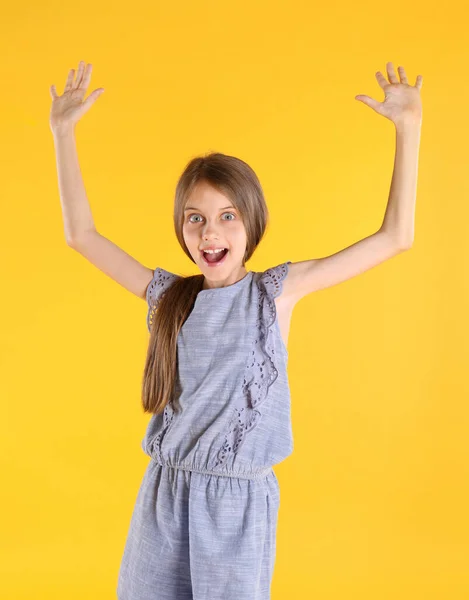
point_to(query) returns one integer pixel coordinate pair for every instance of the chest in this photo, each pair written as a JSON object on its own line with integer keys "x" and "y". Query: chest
{"x": 217, "y": 334}
{"x": 237, "y": 321}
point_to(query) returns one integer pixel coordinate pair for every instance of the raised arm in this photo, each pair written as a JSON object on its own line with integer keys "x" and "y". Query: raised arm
{"x": 402, "y": 105}
{"x": 80, "y": 231}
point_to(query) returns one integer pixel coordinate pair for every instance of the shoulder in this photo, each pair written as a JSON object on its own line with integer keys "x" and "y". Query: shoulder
{"x": 159, "y": 283}
{"x": 156, "y": 289}
{"x": 271, "y": 280}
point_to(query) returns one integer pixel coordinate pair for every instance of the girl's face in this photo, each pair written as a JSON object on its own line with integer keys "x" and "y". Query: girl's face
{"x": 210, "y": 219}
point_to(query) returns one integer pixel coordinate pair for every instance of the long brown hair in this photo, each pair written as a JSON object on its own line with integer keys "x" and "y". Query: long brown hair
{"x": 235, "y": 179}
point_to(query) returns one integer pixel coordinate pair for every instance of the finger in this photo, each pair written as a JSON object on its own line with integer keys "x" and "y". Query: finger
{"x": 53, "y": 92}
{"x": 87, "y": 76}
{"x": 81, "y": 68}
{"x": 418, "y": 82}
{"x": 402, "y": 74}
{"x": 69, "y": 83}
{"x": 391, "y": 73}
{"x": 92, "y": 98}
{"x": 381, "y": 79}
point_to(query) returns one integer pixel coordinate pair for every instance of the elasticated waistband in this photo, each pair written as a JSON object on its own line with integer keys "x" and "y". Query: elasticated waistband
{"x": 256, "y": 475}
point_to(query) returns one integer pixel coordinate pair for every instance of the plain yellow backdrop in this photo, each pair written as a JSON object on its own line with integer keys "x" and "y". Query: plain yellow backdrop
{"x": 374, "y": 497}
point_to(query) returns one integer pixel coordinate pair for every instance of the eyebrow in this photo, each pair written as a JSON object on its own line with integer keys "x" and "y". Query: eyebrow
{"x": 192, "y": 208}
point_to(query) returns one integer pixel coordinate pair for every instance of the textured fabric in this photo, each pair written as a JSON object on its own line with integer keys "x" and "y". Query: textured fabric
{"x": 204, "y": 523}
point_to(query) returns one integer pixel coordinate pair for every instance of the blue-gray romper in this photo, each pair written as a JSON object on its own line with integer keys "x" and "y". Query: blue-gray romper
{"x": 205, "y": 518}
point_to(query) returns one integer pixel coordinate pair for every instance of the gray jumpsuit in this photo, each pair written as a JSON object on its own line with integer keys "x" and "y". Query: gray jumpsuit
{"x": 204, "y": 523}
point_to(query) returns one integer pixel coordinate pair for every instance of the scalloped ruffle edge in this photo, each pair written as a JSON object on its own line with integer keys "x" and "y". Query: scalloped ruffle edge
{"x": 156, "y": 290}
{"x": 154, "y": 445}
{"x": 261, "y": 364}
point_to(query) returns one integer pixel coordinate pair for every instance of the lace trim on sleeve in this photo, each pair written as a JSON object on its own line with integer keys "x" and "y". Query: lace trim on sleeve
{"x": 273, "y": 278}
{"x": 261, "y": 372}
{"x": 155, "y": 291}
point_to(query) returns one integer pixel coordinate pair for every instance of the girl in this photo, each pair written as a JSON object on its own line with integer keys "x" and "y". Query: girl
{"x": 215, "y": 378}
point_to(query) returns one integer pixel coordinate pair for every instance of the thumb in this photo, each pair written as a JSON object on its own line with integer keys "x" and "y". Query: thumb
{"x": 374, "y": 104}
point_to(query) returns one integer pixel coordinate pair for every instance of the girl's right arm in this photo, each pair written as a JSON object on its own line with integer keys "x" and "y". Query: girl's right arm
{"x": 80, "y": 231}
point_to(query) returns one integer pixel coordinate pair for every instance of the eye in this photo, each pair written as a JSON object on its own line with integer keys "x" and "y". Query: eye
{"x": 197, "y": 215}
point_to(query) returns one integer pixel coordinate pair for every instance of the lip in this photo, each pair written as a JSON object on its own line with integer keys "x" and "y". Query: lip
{"x": 213, "y": 264}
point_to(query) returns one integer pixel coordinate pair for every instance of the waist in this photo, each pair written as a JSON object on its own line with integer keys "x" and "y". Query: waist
{"x": 256, "y": 474}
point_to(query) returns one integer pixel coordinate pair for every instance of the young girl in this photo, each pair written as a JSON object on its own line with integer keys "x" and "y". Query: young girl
{"x": 215, "y": 379}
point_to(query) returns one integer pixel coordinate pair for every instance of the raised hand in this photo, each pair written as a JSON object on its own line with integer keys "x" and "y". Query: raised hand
{"x": 67, "y": 109}
{"x": 402, "y": 101}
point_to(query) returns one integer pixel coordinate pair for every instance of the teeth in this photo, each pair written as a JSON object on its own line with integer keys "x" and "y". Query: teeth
{"x": 214, "y": 251}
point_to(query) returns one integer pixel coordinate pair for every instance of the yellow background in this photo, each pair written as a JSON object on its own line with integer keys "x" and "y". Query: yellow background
{"x": 374, "y": 497}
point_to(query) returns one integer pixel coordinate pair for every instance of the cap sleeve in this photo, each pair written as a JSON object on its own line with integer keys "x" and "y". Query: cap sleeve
{"x": 155, "y": 291}
{"x": 273, "y": 278}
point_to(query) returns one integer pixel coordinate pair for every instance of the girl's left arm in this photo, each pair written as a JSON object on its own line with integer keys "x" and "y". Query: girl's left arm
{"x": 399, "y": 219}
{"x": 403, "y": 107}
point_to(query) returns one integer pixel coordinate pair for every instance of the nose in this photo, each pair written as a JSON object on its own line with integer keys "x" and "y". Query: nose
{"x": 209, "y": 231}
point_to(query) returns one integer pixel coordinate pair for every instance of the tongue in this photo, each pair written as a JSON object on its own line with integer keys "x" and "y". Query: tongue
{"x": 213, "y": 258}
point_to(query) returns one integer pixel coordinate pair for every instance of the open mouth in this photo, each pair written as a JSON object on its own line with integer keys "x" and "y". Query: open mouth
{"x": 216, "y": 258}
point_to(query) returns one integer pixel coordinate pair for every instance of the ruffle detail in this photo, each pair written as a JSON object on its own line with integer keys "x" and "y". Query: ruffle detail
{"x": 154, "y": 447}
{"x": 261, "y": 371}
{"x": 273, "y": 280}
{"x": 155, "y": 291}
